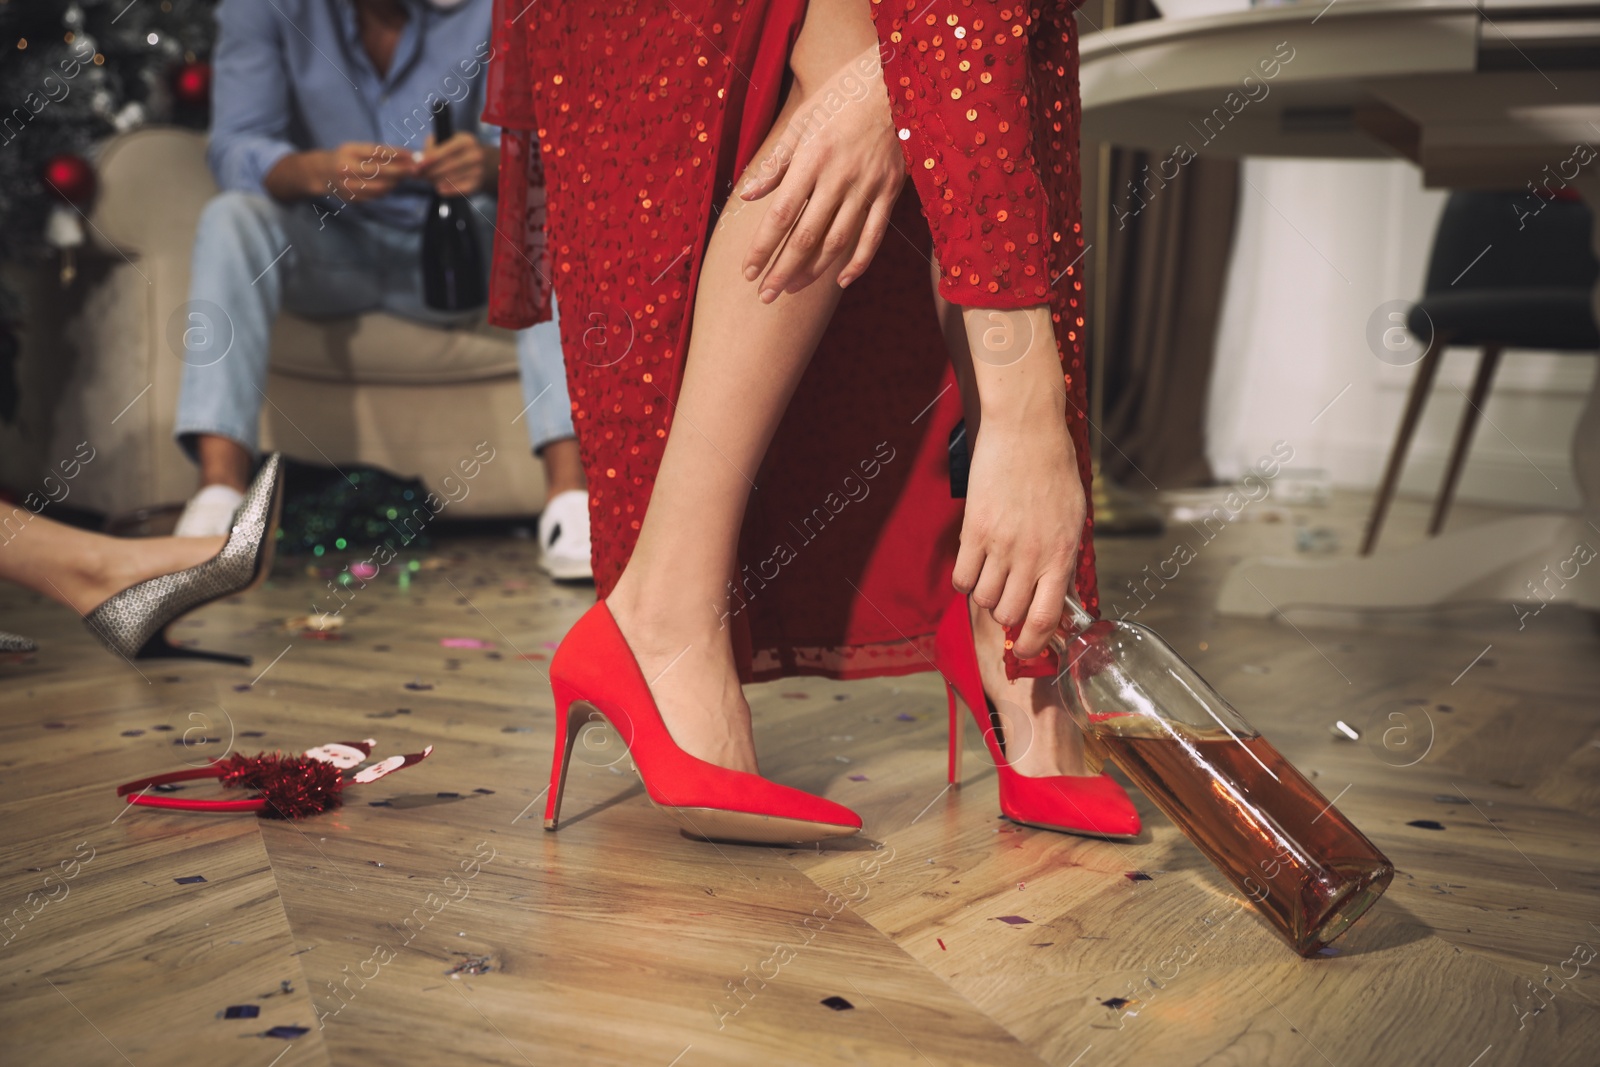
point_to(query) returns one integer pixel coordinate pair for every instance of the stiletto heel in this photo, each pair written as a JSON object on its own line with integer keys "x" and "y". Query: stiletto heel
{"x": 134, "y": 624}
{"x": 594, "y": 673}
{"x": 566, "y": 737}
{"x": 158, "y": 647}
{"x": 956, "y": 740}
{"x": 1090, "y": 805}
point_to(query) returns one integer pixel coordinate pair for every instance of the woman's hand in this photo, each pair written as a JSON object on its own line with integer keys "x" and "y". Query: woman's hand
{"x": 832, "y": 179}
{"x": 1025, "y": 502}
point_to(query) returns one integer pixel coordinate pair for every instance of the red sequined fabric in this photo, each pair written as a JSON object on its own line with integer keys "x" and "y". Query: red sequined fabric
{"x": 634, "y": 118}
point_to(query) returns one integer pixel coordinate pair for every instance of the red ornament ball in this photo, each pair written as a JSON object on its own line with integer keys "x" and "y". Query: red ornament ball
{"x": 70, "y": 179}
{"x": 191, "y": 84}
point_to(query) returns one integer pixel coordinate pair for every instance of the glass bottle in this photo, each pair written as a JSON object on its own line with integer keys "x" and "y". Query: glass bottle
{"x": 1264, "y": 825}
{"x": 452, "y": 264}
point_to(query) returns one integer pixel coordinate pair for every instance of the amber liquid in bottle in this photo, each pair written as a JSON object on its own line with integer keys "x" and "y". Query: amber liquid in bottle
{"x": 1305, "y": 866}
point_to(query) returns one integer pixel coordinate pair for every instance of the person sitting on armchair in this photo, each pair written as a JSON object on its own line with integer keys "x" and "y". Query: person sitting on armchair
{"x": 320, "y": 141}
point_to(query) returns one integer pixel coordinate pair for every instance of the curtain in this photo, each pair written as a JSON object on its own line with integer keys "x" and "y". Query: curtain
{"x": 1169, "y": 243}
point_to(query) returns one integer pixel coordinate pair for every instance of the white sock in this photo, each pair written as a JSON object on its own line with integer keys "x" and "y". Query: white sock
{"x": 209, "y": 512}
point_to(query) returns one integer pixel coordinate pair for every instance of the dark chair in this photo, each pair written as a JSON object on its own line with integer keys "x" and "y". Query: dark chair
{"x": 1500, "y": 276}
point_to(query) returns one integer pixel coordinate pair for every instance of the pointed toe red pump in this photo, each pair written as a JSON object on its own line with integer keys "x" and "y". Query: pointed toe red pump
{"x": 594, "y": 676}
{"x": 1089, "y": 805}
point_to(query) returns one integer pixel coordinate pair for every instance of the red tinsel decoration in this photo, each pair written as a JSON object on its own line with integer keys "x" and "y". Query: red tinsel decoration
{"x": 294, "y": 787}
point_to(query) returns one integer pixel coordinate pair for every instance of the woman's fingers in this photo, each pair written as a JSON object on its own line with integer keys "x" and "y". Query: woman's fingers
{"x": 872, "y": 233}
{"x": 803, "y": 244}
{"x": 1044, "y": 615}
{"x": 1017, "y": 595}
{"x": 991, "y": 583}
{"x": 765, "y": 176}
{"x": 785, "y": 209}
{"x": 969, "y": 565}
{"x": 840, "y": 239}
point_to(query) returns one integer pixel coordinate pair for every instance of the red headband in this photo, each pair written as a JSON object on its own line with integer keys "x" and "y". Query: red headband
{"x": 288, "y": 787}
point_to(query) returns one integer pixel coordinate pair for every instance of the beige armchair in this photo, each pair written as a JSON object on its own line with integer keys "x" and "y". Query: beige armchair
{"x": 374, "y": 389}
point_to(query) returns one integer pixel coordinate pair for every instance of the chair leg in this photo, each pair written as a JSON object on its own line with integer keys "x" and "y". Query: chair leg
{"x": 1487, "y": 362}
{"x": 1421, "y": 386}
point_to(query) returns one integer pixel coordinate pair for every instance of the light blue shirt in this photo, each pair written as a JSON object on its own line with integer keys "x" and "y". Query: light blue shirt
{"x": 292, "y": 75}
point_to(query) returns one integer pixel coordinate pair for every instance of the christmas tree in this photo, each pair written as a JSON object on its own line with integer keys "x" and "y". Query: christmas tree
{"x": 75, "y": 73}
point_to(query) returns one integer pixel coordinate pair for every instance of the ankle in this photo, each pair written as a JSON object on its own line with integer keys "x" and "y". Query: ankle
{"x": 675, "y": 612}
{"x": 95, "y": 568}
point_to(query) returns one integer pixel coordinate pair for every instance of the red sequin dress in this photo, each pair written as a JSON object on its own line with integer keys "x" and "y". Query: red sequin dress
{"x": 633, "y": 119}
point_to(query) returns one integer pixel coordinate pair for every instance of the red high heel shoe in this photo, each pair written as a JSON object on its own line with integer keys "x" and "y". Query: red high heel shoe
{"x": 594, "y": 673}
{"x": 1092, "y": 805}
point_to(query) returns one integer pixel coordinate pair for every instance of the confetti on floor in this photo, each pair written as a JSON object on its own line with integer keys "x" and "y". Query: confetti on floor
{"x": 308, "y": 625}
{"x": 471, "y": 965}
{"x": 1426, "y": 824}
{"x": 1137, "y": 876}
{"x": 287, "y": 1033}
{"x": 837, "y": 1003}
{"x": 1014, "y": 920}
{"x": 190, "y": 879}
{"x": 465, "y": 642}
{"x": 241, "y": 1011}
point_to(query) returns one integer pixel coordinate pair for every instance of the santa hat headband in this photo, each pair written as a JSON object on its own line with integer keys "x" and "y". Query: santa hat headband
{"x": 286, "y": 787}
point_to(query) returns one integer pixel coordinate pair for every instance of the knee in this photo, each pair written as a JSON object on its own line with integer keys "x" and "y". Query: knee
{"x": 235, "y": 219}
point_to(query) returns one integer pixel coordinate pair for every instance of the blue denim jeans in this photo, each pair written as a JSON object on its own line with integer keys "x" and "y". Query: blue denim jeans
{"x": 254, "y": 256}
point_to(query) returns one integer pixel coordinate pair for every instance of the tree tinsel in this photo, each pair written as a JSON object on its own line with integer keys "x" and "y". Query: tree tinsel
{"x": 75, "y": 72}
{"x": 357, "y": 506}
{"x": 295, "y": 787}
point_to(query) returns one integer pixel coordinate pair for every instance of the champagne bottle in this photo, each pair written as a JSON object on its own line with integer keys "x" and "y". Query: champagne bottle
{"x": 452, "y": 265}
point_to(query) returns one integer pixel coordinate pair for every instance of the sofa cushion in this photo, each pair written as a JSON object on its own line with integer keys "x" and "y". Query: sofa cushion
{"x": 383, "y": 349}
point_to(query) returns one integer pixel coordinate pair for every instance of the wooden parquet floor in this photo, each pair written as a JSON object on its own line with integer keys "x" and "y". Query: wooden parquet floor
{"x": 617, "y": 941}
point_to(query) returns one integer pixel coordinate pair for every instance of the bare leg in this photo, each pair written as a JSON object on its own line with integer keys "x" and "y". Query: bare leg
{"x": 745, "y": 359}
{"x": 1040, "y": 737}
{"x": 81, "y": 569}
{"x": 563, "y": 467}
{"x": 223, "y": 461}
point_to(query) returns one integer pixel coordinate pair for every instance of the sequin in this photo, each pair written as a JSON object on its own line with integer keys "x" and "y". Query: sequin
{"x": 635, "y": 107}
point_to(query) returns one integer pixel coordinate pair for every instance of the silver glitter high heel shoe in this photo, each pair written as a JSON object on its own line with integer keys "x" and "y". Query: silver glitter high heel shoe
{"x": 16, "y": 643}
{"x": 134, "y": 623}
